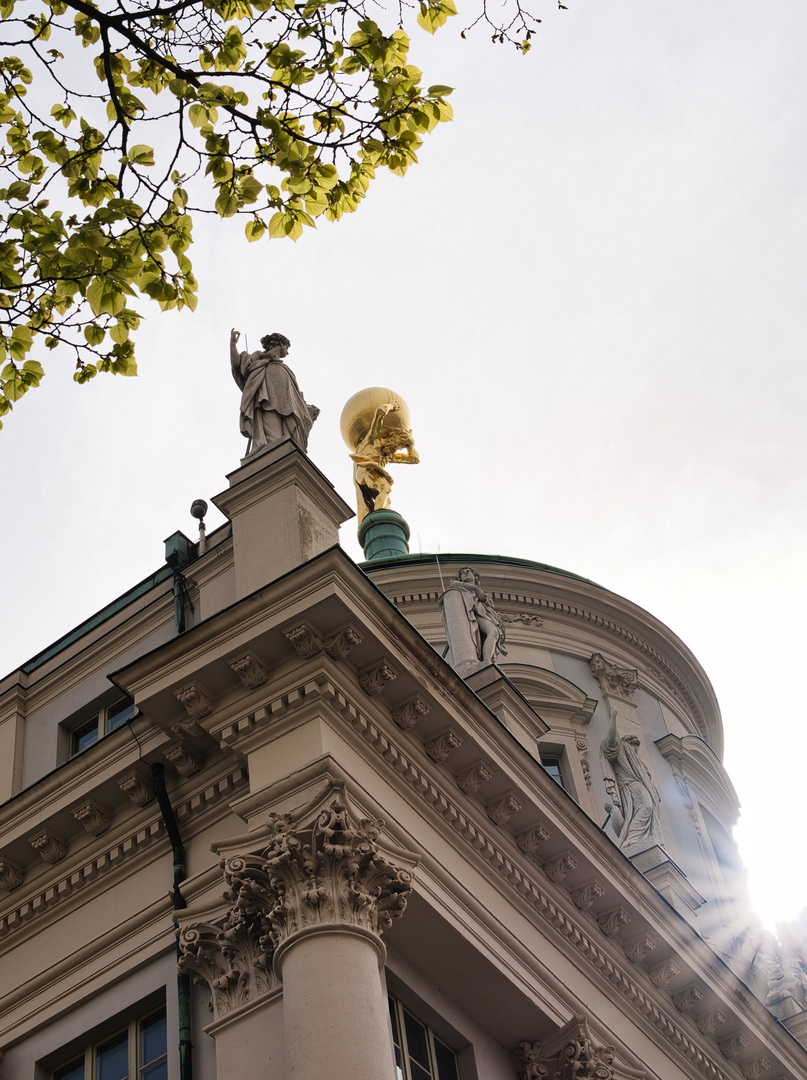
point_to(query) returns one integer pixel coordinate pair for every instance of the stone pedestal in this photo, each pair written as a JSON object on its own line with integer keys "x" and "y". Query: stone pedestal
{"x": 283, "y": 513}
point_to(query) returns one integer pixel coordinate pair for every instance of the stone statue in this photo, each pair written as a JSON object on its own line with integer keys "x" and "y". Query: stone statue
{"x": 634, "y": 799}
{"x": 272, "y": 405}
{"x": 376, "y": 427}
{"x": 473, "y": 628}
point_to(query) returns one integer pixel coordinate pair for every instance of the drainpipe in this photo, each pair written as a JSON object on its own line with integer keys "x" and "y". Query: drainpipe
{"x": 183, "y": 981}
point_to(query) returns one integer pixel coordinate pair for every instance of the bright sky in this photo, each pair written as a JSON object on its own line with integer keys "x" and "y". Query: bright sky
{"x": 591, "y": 293}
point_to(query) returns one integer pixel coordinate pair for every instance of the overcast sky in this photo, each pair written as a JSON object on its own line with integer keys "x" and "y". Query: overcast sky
{"x": 591, "y": 293}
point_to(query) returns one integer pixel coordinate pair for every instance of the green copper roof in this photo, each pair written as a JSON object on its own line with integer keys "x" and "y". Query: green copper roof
{"x": 405, "y": 560}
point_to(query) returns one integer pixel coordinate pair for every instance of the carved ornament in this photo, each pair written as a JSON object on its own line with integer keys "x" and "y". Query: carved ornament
{"x": 612, "y": 921}
{"x": 525, "y": 617}
{"x": 137, "y": 784}
{"x": 185, "y": 761}
{"x": 572, "y": 1054}
{"x": 709, "y": 1023}
{"x": 407, "y": 715}
{"x": 441, "y": 746}
{"x": 685, "y": 999}
{"x": 753, "y": 1070}
{"x": 585, "y": 896}
{"x": 470, "y": 780}
{"x": 500, "y": 810}
{"x": 582, "y": 747}
{"x": 638, "y": 949}
{"x": 316, "y": 867}
{"x": 249, "y": 670}
{"x": 48, "y": 846}
{"x": 92, "y": 817}
{"x": 531, "y": 839}
{"x": 733, "y": 1046}
{"x": 340, "y": 644}
{"x": 618, "y": 681}
{"x": 661, "y": 974}
{"x": 375, "y": 678}
{"x": 11, "y": 877}
{"x": 306, "y": 641}
{"x": 195, "y": 700}
{"x": 556, "y": 869}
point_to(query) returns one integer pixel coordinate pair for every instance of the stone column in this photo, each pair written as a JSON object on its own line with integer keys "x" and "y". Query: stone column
{"x": 308, "y": 907}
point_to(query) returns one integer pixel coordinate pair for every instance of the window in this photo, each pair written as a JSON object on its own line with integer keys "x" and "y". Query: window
{"x": 419, "y": 1054}
{"x": 552, "y": 764}
{"x": 103, "y": 720}
{"x": 139, "y": 1051}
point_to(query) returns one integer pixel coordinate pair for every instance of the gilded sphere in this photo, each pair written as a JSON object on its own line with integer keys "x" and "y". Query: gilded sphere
{"x": 358, "y": 413}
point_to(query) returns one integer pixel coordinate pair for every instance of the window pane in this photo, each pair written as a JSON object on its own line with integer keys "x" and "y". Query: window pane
{"x": 446, "y": 1062}
{"x": 112, "y": 1061}
{"x": 155, "y": 1072}
{"x": 119, "y": 714}
{"x": 85, "y": 736}
{"x": 417, "y": 1044}
{"x": 71, "y": 1072}
{"x": 552, "y": 766}
{"x": 396, "y": 1040}
{"x": 153, "y": 1044}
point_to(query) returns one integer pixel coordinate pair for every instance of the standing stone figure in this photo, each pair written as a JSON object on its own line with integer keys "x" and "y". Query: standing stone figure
{"x": 272, "y": 405}
{"x": 473, "y": 628}
{"x": 634, "y": 799}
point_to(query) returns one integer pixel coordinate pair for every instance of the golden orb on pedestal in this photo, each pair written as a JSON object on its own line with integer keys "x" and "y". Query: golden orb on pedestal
{"x": 359, "y": 412}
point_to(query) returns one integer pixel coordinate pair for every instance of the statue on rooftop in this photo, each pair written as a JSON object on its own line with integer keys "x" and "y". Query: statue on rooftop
{"x": 272, "y": 404}
{"x": 376, "y": 428}
{"x": 633, "y": 809}
{"x": 474, "y": 630}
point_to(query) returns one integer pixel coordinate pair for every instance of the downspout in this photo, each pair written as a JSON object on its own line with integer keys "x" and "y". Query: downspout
{"x": 183, "y": 980}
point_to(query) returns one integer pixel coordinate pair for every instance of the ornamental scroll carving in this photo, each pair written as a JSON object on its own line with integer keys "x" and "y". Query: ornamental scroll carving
{"x": 618, "y": 681}
{"x": 571, "y": 1055}
{"x": 314, "y": 868}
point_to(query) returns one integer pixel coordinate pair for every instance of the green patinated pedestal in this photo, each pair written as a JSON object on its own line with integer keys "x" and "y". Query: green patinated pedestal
{"x": 384, "y": 535}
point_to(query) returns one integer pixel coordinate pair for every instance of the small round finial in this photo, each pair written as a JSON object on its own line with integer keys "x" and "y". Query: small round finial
{"x": 198, "y": 509}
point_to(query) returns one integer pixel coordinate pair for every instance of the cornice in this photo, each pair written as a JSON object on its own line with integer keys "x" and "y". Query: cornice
{"x": 548, "y": 592}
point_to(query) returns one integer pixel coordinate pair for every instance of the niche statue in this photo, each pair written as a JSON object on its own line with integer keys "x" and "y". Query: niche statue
{"x": 633, "y": 807}
{"x": 272, "y": 404}
{"x": 474, "y": 630}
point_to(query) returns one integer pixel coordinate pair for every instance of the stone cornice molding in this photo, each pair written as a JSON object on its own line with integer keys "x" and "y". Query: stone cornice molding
{"x": 320, "y": 868}
{"x": 113, "y": 851}
{"x": 677, "y": 675}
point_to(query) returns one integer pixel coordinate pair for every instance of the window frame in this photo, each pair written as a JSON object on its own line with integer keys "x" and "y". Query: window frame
{"x": 98, "y": 718}
{"x": 398, "y": 1012}
{"x": 133, "y": 1029}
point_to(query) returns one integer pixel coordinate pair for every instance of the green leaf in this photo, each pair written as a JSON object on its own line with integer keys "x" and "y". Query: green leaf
{"x": 254, "y": 230}
{"x": 140, "y": 155}
{"x": 94, "y": 333}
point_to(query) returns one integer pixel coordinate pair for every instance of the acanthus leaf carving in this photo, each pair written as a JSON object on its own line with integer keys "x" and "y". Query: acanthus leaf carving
{"x": 373, "y": 679}
{"x": 733, "y": 1046}
{"x": 90, "y": 815}
{"x": 305, "y": 640}
{"x": 638, "y": 949}
{"x": 530, "y": 1062}
{"x": 137, "y": 785}
{"x": 618, "y": 681}
{"x": 471, "y": 779}
{"x": 662, "y": 973}
{"x": 753, "y": 1070}
{"x": 195, "y": 700}
{"x": 557, "y": 868}
{"x": 48, "y": 846}
{"x": 530, "y": 840}
{"x": 249, "y": 670}
{"x": 611, "y": 922}
{"x": 441, "y": 745}
{"x": 685, "y": 999}
{"x": 339, "y": 645}
{"x": 185, "y": 760}
{"x": 585, "y": 896}
{"x": 407, "y": 715}
{"x": 582, "y": 747}
{"x": 501, "y": 809}
{"x": 11, "y": 877}
{"x": 571, "y": 1054}
{"x": 709, "y": 1023}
